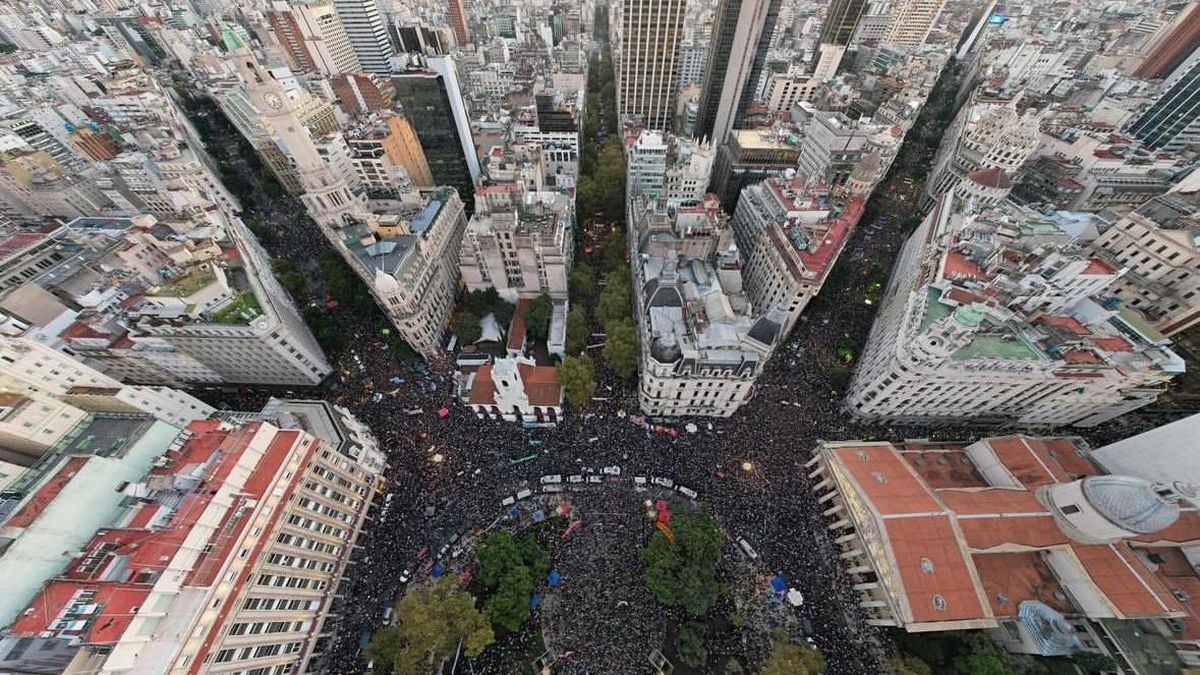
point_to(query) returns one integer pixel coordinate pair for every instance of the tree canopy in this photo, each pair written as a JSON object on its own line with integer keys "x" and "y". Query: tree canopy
{"x": 615, "y": 300}
{"x": 683, "y": 573}
{"x": 578, "y": 331}
{"x": 465, "y": 325}
{"x": 510, "y": 569}
{"x": 621, "y": 347}
{"x": 577, "y": 375}
{"x": 537, "y": 317}
{"x": 430, "y": 620}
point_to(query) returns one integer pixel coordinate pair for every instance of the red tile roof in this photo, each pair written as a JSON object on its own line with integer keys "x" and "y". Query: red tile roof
{"x": 1012, "y": 578}
{"x": 1098, "y": 266}
{"x": 887, "y": 480}
{"x": 931, "y": 563}
{"x": 1126, "y": 581}
{"x": 483, "y": 389}
{"x": 541, "y": 385}
{"x": 46, "y": 494}
{"x": 1069, "y": 322}
{"x": 516, "y": 330}
{"x": 959, "y": 266}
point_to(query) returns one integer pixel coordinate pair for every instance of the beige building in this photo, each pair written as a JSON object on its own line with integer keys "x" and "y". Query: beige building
{"x": 648, "y": 34}
{"x": 912, "y": 21}
{"x": 313, "y": 36}
{"x": 518, "y": 242}
{"x": 1154, "y": 243}
{"x": 31, "y": 424}
{"x": 380, "y": 148}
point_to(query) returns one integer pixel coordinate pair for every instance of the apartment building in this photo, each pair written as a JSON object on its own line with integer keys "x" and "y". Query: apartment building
{"x": 789, "y": 233}
{"x": 519, "y": 242}
{"x": 1154, "y": 244}
{"x": 978, "y": 327}
{"x": 235, "y": 549}
{"x": 313, "y": 37}
{"x": 750, "y": 156}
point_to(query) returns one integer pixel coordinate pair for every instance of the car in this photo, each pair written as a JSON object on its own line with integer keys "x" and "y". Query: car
{"x": 686, "y": 491}
{"x": 508, "y": 501}
{"x": 663, "y": 482}
{"x": 553, "y": 488}
{"x": 406, "y": 575}
{"x": 611, "y": 471}
{"x": 639, "y": 480}
{"x": 577, "y": 478}
{"x": 747, "y": 549}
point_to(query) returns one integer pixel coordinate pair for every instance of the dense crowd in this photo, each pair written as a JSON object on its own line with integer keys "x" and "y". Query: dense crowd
{"x": 448, "y": 475}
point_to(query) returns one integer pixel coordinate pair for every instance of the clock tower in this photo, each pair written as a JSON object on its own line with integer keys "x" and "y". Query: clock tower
{"x": 328, "y": 199}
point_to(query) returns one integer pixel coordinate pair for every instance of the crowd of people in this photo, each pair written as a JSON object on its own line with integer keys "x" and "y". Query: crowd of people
{"x": 448, "y": 474}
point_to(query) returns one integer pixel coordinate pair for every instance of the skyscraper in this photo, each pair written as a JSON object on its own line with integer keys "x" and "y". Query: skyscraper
{"x": 740, "y": 34}
{"x": 1174, "y": 48}
{"x": 1173, "y": 121}
{"x": 433, "y": 103}
{"x": 313, "y": 37}
{"x": 841, "y": 21}
{"x": 457, "y": 12}
{"x": 649, "y": 36}
{"x": 912, "y": 20}
{"x": 367, "y": 32}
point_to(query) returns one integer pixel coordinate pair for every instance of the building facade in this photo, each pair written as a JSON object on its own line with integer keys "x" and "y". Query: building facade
{"x": 648, "y": 37}
{"x": 740, "y": 32}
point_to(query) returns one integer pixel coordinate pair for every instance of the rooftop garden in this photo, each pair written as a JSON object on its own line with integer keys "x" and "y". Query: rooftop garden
{"x": 241, "y": 311}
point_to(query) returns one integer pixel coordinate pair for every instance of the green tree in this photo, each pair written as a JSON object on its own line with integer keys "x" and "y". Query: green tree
{"x": 509, "y": 605}
{"x": 533, "y": 556}
{"x": 612, "y": 251}
{"x": 683, "y": 573}
{"x": 621, "y": 347}
{"x": 466, "y": 326}
{"x": 481, "y": 303}
{"x": 789, "y": 658}
{"x": 580, "y": 283}
{"x": 615, "y": 300}
{"x": 577, "y": 375}
{"x": 537, "y": 317}
{"x": 577, "y": 330}
{"x": 690, "y": 645}
{"x": 981, "y": 656}
{"x": 498, "y": 555}
{"x": 907, "y": 665}
{"x": 431, "y": 619}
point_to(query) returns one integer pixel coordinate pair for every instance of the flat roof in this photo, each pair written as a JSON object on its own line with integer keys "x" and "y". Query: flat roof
{"x": 997, "y": 347}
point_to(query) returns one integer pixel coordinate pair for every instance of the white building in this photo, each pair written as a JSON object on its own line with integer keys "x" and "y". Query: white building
{"x": 645, "y": 164}
{"x": 987, "y": 321}
{"x": 912, "y": 21}
{"x": 702, "y": 342}
{"x": 514, "y": 389}
{"x": 367, "y": 32}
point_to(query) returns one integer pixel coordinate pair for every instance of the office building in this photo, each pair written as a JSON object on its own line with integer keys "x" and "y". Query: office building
{"x": 313, "y": 37}
{"x": 1173, "y": 121}
{"x": 648, "y": 36}
{"x": 1174, "y": 47}
{"x": 979, "y": 327}
{"x": 702, "y": 341}
{"x": 789, "y": 235}
{"x": 429, "y": 95}
{"x": 1154, "y": 245}
{"x": 740, "y": 32}
{"x": 367, "y": 32}
{"x": 912, "y": 21}
{"x": 985, "y": 134}
{"x": 235, "y": 549}
{"x": 387, "y": 155}
{"x": 750, "y": 156}
{"x": 1022, "y": 537}
{"x": 456, "y": 12}
{"x": 841, "y": 21}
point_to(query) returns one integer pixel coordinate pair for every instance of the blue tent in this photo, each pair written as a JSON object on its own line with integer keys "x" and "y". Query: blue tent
{"x": 553, "y": 578}
{"x": 539, "y": 516}
{"x": 513, "y": 512}
{"x": 778, "y": 584}
{"x": 535, "y": 601}
{"x": 437, "y": 571}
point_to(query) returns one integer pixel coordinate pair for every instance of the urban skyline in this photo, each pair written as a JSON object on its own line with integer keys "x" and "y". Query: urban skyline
{"x": 722, "y": 336}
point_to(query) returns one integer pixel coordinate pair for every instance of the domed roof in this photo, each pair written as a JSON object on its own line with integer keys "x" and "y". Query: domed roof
{"x": 1133, "y": 504}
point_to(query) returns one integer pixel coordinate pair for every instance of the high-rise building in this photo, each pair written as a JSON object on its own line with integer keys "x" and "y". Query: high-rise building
{"x": 1154, "y": 244}
{"x": 841, "y": 21}
{"x": 378, "y": 146}
{"x": 236, "y": 543}
{"x": 1173, "y": 121}
{"x": 457, "y": 13}
{"x": 649, "y": 35}
{"x": 912, "y": 21}
{"x": 740, "y": 33}
{"x": 1175, "y": 46}
{"x": 429, "y": 94}
{"x": 980, "y": 326}
{"x": 313, "y": 37}
{"x": 749, "y": 156}
{"x": 367, "y": 33}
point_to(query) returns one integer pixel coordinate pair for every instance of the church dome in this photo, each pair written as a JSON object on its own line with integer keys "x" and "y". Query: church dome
{"x": 1133, "y": 504}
